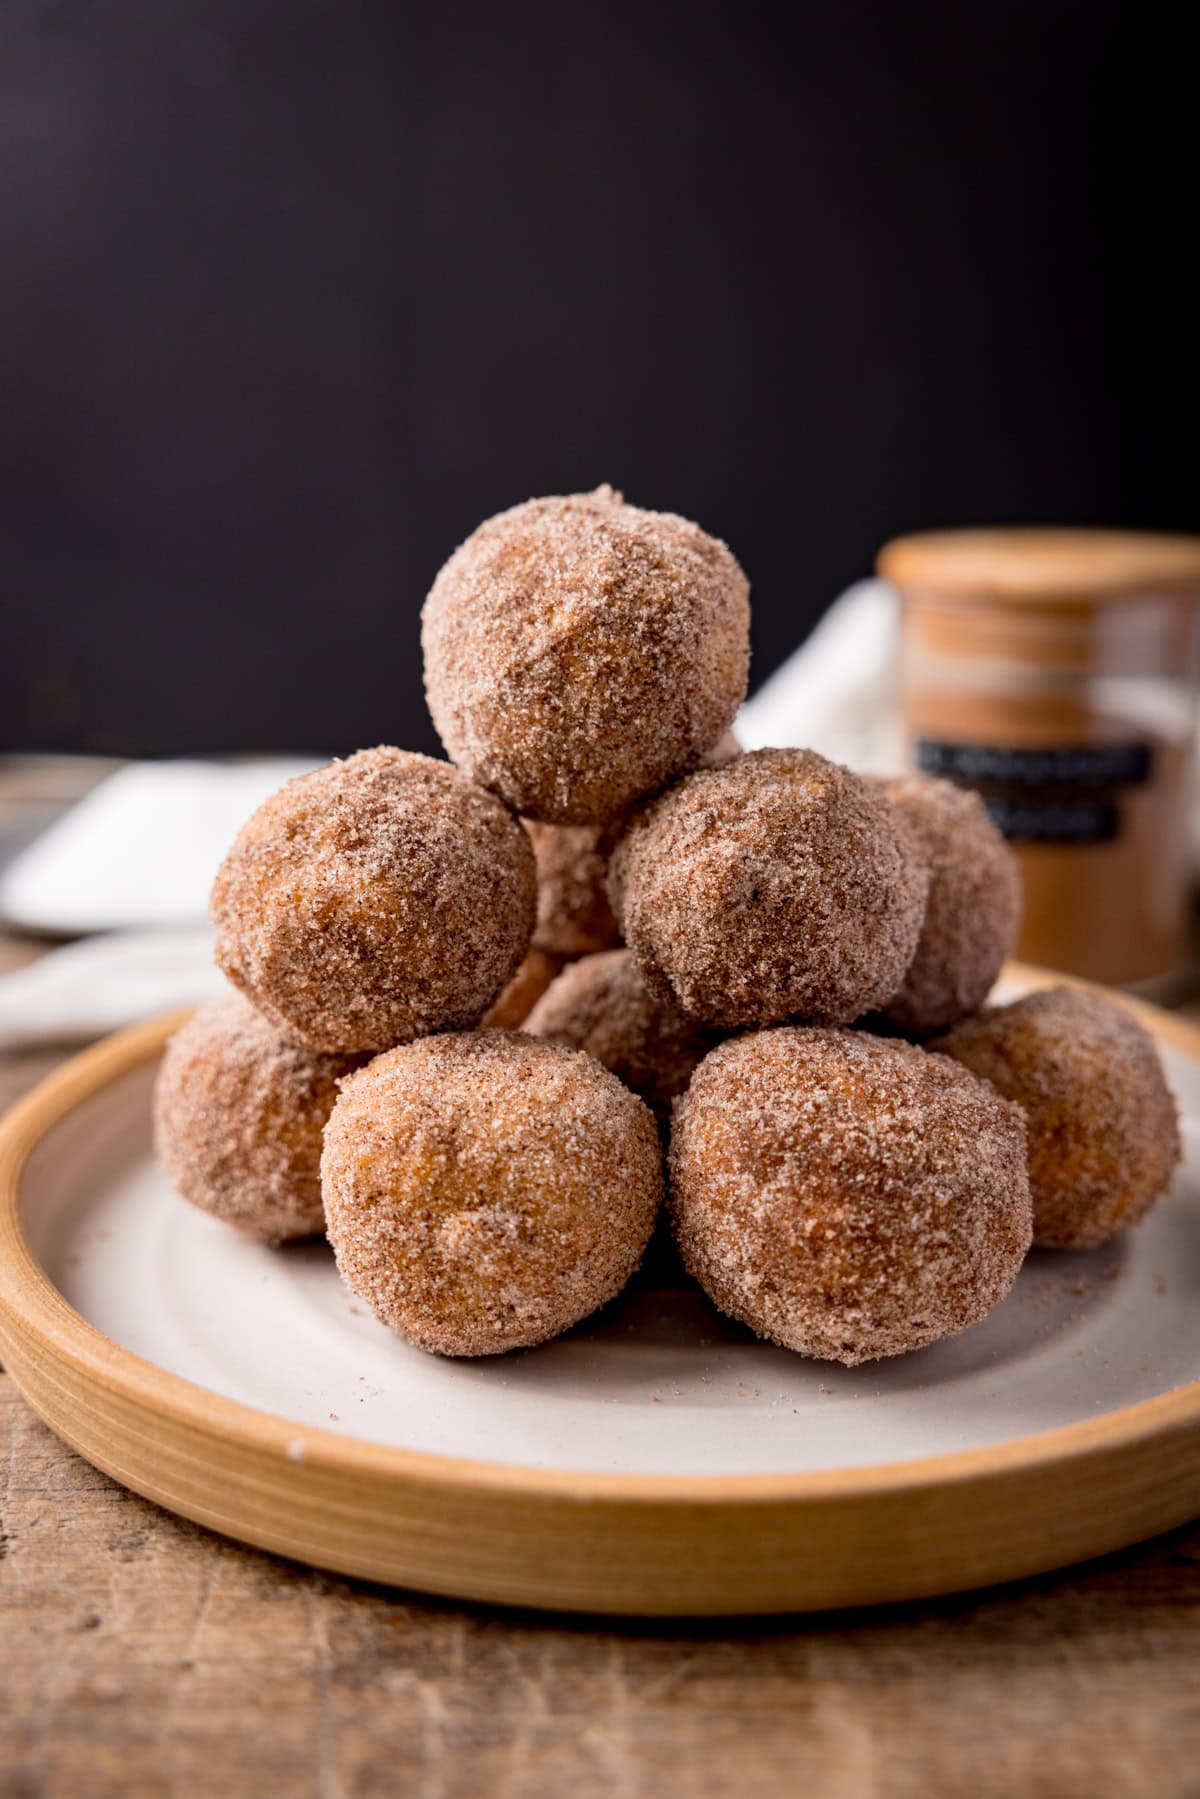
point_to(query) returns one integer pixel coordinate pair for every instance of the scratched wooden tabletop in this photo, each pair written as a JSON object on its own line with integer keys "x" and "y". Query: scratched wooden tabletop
{"x": 140, "y": 1655}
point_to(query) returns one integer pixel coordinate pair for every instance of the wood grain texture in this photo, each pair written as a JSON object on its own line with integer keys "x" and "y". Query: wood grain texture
{"x": 144, "y": 1657}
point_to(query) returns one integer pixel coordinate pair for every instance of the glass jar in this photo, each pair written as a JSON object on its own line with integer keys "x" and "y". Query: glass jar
{"x": 1053, "y": 671}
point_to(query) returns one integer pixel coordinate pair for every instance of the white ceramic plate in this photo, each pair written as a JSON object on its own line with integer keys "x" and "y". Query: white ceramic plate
{"x": 659, "y": 1383}
{"x": 658, "y": 1388}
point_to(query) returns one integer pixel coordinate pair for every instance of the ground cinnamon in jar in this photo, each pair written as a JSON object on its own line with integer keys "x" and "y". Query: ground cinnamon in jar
{"x": 1053, "y": 671}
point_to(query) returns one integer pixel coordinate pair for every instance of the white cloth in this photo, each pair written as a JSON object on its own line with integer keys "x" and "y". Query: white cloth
{"x": 134, "y": 860}
{"x": 837, "y": 692}
{"x": 101, "y": 983}
{"x": 140, "y": 850}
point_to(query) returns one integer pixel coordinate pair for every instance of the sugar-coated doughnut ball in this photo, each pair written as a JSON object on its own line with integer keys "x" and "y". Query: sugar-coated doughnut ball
{"x": 603, "y": 1005}
{"x": 580, "y": 652}
{"x": 845, "y": 1195}
{"x": 485, "y": 1191}
{"x": 527, "y": 986}
{"x": 375, "y": 900}
{"x": 574, "y": 915}
{"x": 1103, "y": 1128}
{"x": 973, "y": 911}
{"x": 238, "y": 1116}
{"x": 778, "y": 886}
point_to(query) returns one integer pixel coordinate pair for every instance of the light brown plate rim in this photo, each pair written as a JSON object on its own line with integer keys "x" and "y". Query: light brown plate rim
{"x": 37, "y": 1307}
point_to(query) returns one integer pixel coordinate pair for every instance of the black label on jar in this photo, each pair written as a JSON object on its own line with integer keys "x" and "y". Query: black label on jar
{"x": 1084, "y": 765}
{"x": 1061, "y": 794}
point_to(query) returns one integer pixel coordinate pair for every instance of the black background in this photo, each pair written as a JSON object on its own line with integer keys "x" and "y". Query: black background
{"x": 294, "y": 292}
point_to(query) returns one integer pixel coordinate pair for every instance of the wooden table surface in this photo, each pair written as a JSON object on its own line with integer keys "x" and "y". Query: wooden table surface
{"x": 143, "y": 1656}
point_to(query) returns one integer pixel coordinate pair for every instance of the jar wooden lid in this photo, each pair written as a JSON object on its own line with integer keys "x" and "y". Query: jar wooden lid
{"x": 1041, "y": 563}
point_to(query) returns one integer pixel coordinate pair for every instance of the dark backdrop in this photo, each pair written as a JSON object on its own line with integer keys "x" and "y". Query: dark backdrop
{"x": 294, "y": 292}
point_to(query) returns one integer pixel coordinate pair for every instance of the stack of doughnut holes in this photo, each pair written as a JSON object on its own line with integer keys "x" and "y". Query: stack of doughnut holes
{"x": 486, "y": 1014}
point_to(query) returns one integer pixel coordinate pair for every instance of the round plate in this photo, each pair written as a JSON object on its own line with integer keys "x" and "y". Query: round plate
{"x": 657, "y": 1459}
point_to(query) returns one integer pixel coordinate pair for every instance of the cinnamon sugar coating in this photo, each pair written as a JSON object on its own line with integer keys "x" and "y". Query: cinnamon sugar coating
{"x": 1103, "y": 1126}
{"x": 580, "y": 652}
{"x": 238, "y": 1116}
{"x": 574, "y": 916}
{"x": 778, "y": 886}
{"x": 603, "y": 1005}
{"x": 373, "y": 901}
{"x": 973, "y": 911}
{"x": 847, "y": 1196}
{"x": 485, "y": 1191}
{"x": 527, "y": 986}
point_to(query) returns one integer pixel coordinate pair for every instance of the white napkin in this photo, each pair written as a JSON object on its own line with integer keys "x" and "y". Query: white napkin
{"x": 837, "y": 692}
{"x": 134, "y": 860}
{"x": 97, "y": 985}
{"x": 140, "y": 850}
